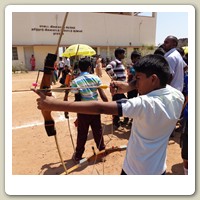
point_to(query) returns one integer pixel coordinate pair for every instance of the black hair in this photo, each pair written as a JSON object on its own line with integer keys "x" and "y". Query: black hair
{"x": 135, "y": 54}
{"x": 160, "y": 51}
{"x": 119, "y": 51}
{"x": 84, "y": 64}
{"x": 174, "y": 39}
{"x": 154, "y": 64}
{"x": 161, "y": 46}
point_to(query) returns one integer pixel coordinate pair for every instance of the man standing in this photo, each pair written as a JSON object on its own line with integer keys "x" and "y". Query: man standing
{"x": 175, "y": 61}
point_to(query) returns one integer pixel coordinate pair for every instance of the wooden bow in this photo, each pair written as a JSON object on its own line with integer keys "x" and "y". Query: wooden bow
{"x": 95, "y": 157}
{"x": 45, "y": 84}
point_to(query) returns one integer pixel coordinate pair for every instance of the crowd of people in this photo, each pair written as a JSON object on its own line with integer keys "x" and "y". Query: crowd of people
{"x": 150, "y": 95}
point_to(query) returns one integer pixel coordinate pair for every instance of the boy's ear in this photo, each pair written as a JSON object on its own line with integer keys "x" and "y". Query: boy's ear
{"x": 154, "y": 77}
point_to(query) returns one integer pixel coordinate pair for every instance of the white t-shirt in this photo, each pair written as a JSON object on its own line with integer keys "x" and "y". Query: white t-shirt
{"x": 154, "y": 118}
{"x": 61, "y": 65}
{"x": 177, "y": 65}
{"x": 67, "y": 62}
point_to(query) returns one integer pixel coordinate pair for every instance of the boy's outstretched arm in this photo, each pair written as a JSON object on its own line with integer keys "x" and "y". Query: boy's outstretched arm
{"x": 49, "y": 103}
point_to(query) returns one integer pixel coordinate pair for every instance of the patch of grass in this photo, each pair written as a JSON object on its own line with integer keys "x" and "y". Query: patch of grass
{"x": 19, "y": 68}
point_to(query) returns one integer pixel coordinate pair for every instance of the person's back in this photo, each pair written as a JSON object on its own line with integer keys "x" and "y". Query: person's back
{"x": 86, "y": 80}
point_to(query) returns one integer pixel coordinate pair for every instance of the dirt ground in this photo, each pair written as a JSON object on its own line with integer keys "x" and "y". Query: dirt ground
{"x": 34, "y": 153}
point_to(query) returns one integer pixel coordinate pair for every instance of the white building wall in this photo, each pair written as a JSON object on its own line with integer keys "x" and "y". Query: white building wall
{"x": 102, "y": 30}
{"x": 97, "y": 29}
{"x": 40, "y": 53}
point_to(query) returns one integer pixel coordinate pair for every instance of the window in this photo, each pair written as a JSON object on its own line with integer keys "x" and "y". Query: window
{"x": 14, "y": 53}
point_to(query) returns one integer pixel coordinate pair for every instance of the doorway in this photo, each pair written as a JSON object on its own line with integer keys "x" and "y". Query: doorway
{"x": 28, "y": 52}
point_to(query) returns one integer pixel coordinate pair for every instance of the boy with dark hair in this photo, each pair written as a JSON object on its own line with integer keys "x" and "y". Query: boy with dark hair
{"x": 160, "y": 51}
{"x": 135, "y": 56}
{"x": 116, "y": 70}
{"x": 119, "y": 51}
{"x": 155, "y": 113}
{"x": 85, "y": 79}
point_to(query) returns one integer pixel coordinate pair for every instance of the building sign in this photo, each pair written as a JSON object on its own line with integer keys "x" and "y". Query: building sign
{"x": 56, "y": 29}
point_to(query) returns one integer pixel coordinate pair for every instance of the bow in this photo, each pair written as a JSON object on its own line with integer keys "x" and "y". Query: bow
{"x": 95, "y": 157}
{"x": 45, "y": 84}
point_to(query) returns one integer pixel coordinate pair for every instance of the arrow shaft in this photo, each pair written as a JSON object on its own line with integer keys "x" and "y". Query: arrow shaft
{"x": 62, "y": 89}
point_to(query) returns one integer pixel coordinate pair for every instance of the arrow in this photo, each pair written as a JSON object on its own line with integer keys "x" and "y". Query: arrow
{"x": 62, "y": 89}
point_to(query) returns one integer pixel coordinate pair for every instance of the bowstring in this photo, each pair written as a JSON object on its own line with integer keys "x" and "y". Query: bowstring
{"x": 103, "y": 129}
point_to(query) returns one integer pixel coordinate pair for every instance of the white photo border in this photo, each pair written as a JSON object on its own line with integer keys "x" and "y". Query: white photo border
{"x": 87, "y": 184}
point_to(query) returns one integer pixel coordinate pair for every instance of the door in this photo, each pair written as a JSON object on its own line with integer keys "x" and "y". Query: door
{"x": 28, "y": 52}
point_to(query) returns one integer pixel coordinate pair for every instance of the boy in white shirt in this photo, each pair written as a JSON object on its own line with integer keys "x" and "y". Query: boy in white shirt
{"x": 155, "y": 113}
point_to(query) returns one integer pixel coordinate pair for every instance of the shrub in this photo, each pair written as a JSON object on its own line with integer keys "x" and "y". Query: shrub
{"x": 19, "y": 68}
